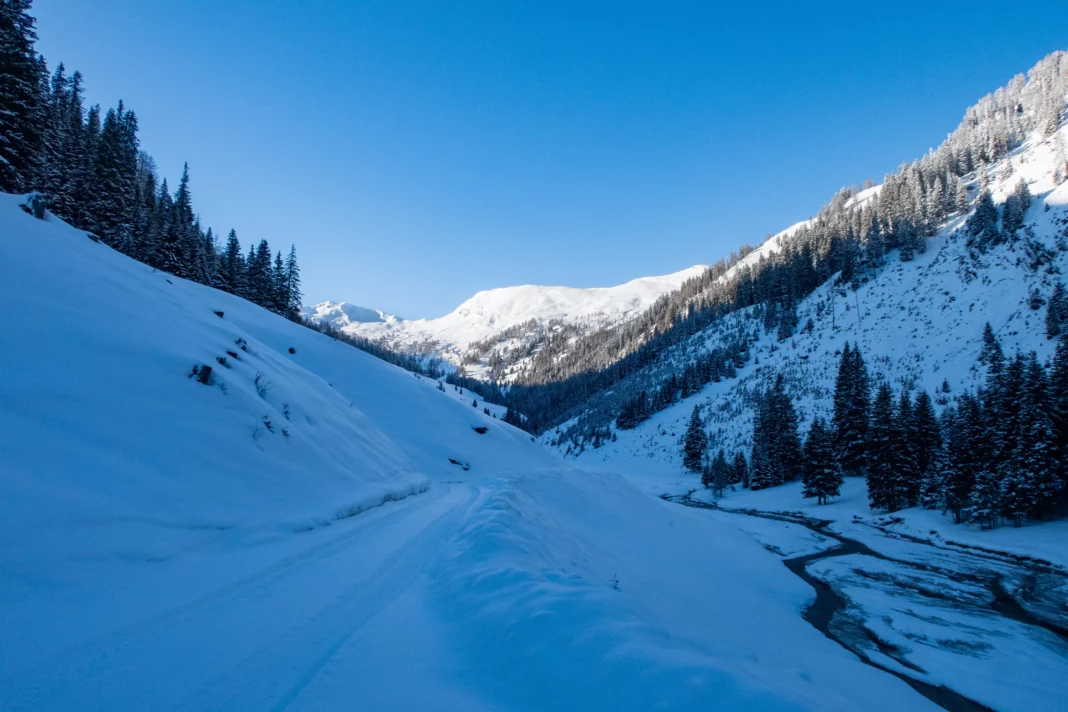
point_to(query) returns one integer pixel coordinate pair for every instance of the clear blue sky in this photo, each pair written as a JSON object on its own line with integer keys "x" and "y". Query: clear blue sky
{"x": 417, "y": 152}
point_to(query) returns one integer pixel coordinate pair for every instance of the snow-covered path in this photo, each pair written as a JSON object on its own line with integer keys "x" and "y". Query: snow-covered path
{"x": 256, "y": 642}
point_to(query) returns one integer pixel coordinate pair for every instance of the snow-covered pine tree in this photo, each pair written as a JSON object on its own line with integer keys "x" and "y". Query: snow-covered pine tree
{"x": 884, "y": 491}
{"x": 740, "y": 470}
{"x": 907, "y": 472}
{"x": 1056, "y": 311}
{"x": 851, "y": 404}
{"x": 822, "y": 475}
{"x": 171, "y": 255}
{"x": 1037, "y": 451}
{"x": 926, "y": 437}
{"x": 721, "y": 473}
{"x": 761, "y": 475}
{"x": 695, "y": 442}
{"x": 293, "y": 292}
{"x": 279, "y": 286}
{"x": 785, "y": 442}
{"x": 983, "y": 224}
{"x": 874, "y": 244}
{"x": 20, "y": 95}
{"x": 1058, "y": 395}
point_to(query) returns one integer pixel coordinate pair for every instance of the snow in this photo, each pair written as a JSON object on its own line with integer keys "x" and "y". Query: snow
{"x": 163, "y": 549}
{"x": 1044, "y": 541}
{"x": 918, "y": 323}
{"x": 964, "y": 647}
{"x": 930, "y": 604}
{"x": 490, "y": 312}
{"x": 343, "y": 314}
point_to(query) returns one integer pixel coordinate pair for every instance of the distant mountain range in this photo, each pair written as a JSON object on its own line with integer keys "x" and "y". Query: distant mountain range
{"x": 506, "y": 315}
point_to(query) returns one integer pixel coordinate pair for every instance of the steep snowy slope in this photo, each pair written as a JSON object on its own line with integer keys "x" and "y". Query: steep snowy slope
{"x": 525, "y": 310}
{"x": 919, "y": 323}
{"x": 163, "y": 547}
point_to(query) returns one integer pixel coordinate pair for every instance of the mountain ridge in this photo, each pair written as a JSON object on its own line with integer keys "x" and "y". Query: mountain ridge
{"x": 488, "y": 313}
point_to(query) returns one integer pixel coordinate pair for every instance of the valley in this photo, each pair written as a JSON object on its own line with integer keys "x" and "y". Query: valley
{"x": 827, "y": 471}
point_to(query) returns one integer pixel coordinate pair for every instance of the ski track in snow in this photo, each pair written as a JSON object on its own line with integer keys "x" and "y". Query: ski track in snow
{"x": 252, "y": 657}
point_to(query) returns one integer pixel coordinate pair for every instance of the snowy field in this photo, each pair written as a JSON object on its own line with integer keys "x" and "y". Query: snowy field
{"x": 341, "y": 535}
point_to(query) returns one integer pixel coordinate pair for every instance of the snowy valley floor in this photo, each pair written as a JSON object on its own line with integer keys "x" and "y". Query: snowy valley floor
{"x": 552, "y": 590}
{"x": 982, "y": 613}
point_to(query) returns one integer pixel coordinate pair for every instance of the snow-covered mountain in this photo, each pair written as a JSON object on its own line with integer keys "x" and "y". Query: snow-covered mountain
{"x": 918, "y": 322}
{"x": 304, "y": 526}
{"x": 499, "y": 319}
{"x": 343, "y": 315}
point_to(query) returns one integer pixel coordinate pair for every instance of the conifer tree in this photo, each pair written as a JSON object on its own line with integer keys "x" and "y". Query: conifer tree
{"x": 293, "y": 292}
{"x": 927, "y": 435}
{"x": 908, "y": 469}
{"x": 279, "y": 286}
{"x": 885, "y": 490}
{"x": 1036, "y": 458}
{"x": 1058, "y": 395}
{"x": 1056, "y": 311}
{"x": 695, "y": 442}
{"x": 822, "y": 476}
{"x": 851, "y": 404}
{"x": 983, "y": 224}
{"x": 740, "y": 469}
{"x": 20, "y": 97}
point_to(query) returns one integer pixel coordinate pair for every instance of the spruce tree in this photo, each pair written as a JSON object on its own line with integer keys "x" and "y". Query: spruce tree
{"x": 293, "y": 293}
{"x": 1058, "y": 396}
{"x": 822, "y": 476}
{"x": 785, "y": 442}
{"x": 279, "y": 286}
{"x": 695, "y": 442}
{"x": 851, "y": 405}
{"x": 908, "y": 470}
{"x": 926, "y": 437}
{"x": 1056, "y": 311}
{"x": 21, "y": 79}
{"x": 884, "y": 485}
{"x": 983, "y": 223}
{"x": 1037, "y": 451}
{"x": 740, "y": 470}
{"x": 963, "y": 429}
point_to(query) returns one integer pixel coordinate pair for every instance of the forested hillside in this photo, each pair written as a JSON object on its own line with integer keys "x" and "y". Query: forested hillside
{"x": 89, "y": 169}
{"x": 909, "y": 273}
{"x": 851, "y": 240}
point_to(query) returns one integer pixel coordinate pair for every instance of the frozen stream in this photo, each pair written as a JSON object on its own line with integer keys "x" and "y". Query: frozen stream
{"x": 969, "y": 630}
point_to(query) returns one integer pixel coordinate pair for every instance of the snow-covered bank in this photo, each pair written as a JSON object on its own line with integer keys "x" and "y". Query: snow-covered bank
{"x": 1040, "y": 540}
{"x": 919, "y": 604}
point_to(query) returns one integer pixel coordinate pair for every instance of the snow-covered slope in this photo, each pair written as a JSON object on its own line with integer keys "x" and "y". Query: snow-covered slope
{"x": 919, "y": 323}
{"x": 172, "y": 544}
{"x": 490, "y": 312}
{"x": 103, "y": 422}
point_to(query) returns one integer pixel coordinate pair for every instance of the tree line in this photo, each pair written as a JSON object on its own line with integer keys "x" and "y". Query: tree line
{"x": 997, "y": 455}
{"x": 90, "y": 170}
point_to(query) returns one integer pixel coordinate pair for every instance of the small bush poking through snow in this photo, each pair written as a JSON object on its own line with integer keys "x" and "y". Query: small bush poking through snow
{"x": 262, "y": 384}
